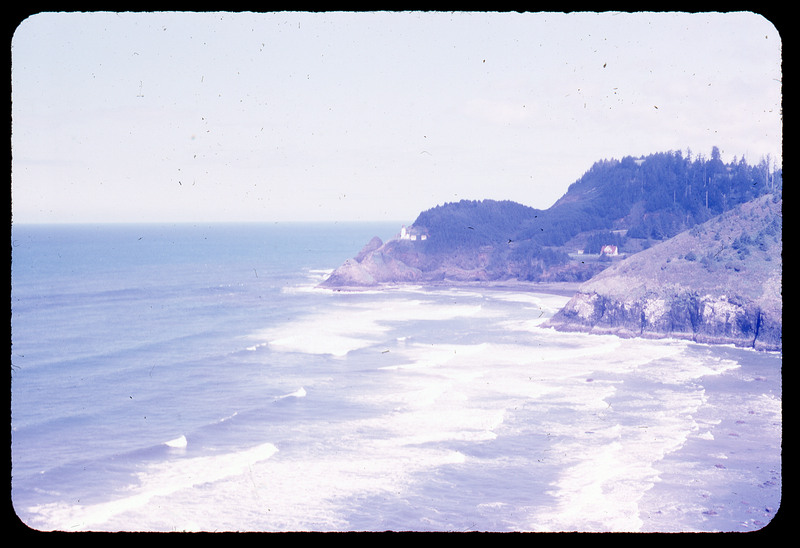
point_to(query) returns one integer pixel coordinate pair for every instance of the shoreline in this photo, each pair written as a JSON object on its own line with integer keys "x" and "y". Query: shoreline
{"x": 567, "y": 290}
{"x": 564, "y": 289}
{"x": 626, "y": 333}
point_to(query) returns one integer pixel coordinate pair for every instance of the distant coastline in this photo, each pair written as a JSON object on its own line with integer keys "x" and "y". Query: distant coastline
{"x": 635, "y": 261}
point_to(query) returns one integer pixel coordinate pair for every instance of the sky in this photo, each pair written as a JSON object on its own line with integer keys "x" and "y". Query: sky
{"x": 368, "y": 116}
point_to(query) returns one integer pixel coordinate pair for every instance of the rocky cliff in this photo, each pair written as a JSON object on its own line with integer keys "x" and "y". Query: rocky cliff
{"x": 719, "y": 282}
{"x": 377, "y": 263}
{"x": 465, "y": 241}
{"x": 403, "y": 261}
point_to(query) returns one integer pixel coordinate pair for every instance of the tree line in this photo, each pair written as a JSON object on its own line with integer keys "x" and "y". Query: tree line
{"x": 652, "y": 197}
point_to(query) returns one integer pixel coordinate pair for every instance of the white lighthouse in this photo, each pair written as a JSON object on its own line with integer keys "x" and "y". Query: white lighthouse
{"x": 405, "y": 234}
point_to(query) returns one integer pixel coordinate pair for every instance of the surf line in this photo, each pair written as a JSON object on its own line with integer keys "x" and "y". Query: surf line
{"x": 177, "y": 443}
{"x": 299, "y": 393}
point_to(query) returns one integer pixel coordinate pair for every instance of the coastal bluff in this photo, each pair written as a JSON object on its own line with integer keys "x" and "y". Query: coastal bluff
{"x": 718, "y": 283}
{"x": 663, "y": 245}
{"x": 469, "y": 241}
{"x": 375, "y": 264}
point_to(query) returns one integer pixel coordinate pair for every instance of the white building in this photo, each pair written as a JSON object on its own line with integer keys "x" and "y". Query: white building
{"x": 609, "y": 250}
{"x": 405, "y": 234}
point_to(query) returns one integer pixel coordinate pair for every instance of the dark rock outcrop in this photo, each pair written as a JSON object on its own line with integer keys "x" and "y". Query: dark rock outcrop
{"x": 372, "y": 245}
{"x": 376, "y": 263}
{"x": 713, "y": 319}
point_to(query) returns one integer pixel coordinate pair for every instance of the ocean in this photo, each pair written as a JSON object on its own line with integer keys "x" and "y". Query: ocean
{"x": 191, "y": 377}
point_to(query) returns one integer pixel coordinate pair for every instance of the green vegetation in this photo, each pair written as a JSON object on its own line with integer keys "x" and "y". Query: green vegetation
{"x": 471, "y": 224}
{"x": 632, "y": 203}
{"x": 615, "y": 201}
{"x": 658, "y": 196}
{"x": 719, "y": 282}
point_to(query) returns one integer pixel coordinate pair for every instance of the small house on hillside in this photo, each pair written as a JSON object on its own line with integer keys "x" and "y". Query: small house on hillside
{"x": 610, "y": 250}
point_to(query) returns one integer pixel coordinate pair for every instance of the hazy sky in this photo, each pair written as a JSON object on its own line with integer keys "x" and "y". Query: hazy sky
{"x": 205, "y": 117}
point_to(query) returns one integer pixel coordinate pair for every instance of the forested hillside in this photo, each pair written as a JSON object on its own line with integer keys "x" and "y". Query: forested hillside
{"x": 719, "y": 282}
{"x": 662, "y": 194}
{"x": 471, "y": 223}
{"x": 652, "y": 198}
{"x": 630, "y": 203}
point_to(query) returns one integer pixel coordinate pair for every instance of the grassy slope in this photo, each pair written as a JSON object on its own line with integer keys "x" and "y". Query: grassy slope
{"x": 719, "y": 282}
{"x": 712, "y": 257}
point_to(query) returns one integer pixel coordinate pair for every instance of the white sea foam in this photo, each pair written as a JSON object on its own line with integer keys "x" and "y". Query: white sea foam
{"x": 299, "y": 393}
{"x": 304, "y": 493}
{"x": 255, "y": 347}
{"x": 162, "y": 480}
{"x": 681, "y": 371}
{"x": 599, "y": 489}
{"x": 344, "y": 328}
{"x": 605, "y": 458}
{"x": 177, "y": 443}
{"x": 229, "y": 417}
{"x": 337, "y": 332}
{"x": 319, "y": 343}
{"x": 548, "y": 304}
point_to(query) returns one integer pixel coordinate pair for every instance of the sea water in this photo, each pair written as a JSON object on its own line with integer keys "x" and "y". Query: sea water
{"x": 194, "y": 377}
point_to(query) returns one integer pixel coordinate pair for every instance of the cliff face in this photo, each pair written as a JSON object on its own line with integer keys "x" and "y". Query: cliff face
{"x": 399, "y": 262}
{"x": 402, "y": 261}
{"x": 375, "y": 264}
{"x": 465, "y": 241}
{"x": 717, "y": 283}
{"x": 715, "y": 319}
